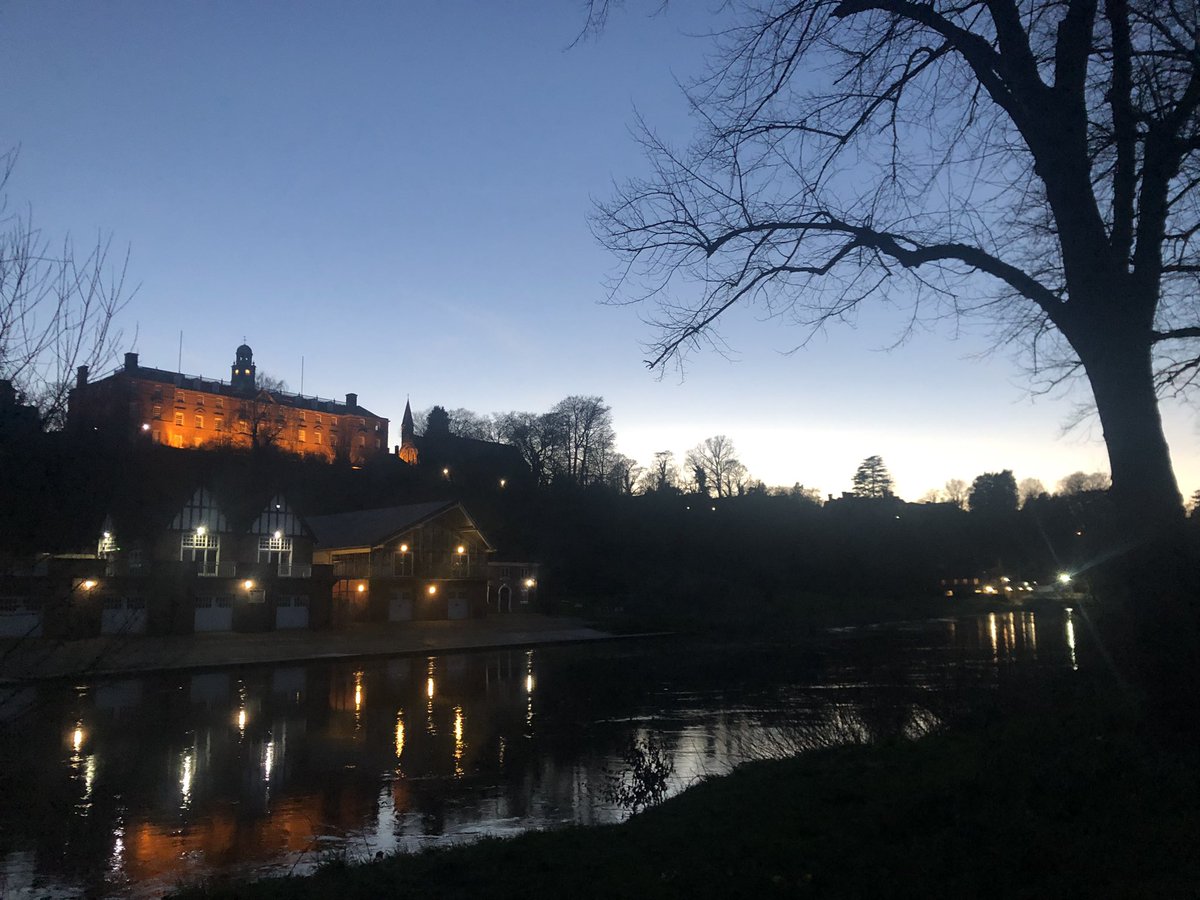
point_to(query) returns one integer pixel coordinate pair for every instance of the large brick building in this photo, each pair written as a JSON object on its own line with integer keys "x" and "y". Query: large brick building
{"x": 145, "y": 404}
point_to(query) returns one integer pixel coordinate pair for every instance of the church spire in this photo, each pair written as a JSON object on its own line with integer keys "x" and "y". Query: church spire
{"x": 408, "y": 446}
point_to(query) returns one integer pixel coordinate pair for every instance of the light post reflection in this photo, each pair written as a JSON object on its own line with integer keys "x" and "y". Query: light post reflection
{"x": 1071, "y": 640}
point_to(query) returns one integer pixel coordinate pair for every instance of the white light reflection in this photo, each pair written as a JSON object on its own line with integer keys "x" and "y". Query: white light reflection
{"x": 1071, "y": 640}
{"x": 116, "y": 860}
{"x": 241, "y": 721}
{"x": 399, "y": 734}
{"x": 992, "y": 633}
{"x": 268, "y": 760}
{"x": 459, "y": 745}
{"x": 187, "y": 773}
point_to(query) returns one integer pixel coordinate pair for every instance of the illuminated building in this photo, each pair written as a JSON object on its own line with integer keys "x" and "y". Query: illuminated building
{"x": 139, "y": 403}
{"x": 419, "y": 561}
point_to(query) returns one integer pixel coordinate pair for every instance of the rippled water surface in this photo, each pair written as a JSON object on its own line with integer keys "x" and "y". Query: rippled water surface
{"x": 134, "y": 785}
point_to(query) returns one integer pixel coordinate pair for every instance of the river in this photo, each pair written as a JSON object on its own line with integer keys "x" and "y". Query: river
{"x": 131, "y": 786}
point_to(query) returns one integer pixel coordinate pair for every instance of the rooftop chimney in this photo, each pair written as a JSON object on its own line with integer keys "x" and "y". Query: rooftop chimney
{"x": 352, "y": 401}
{"x": 81, "y": 376}
{"x": 130, "y": 362}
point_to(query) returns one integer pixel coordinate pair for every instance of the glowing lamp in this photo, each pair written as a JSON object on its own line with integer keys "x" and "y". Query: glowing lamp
{"x": 89, "y": 584}
{"x": 446, "y": 472}
{"x": 461, "y": 549}
{"x": 404, "y": 548}
{"x": 107, "y": 535}
{"x": 432, "y": 589}
{"x": 1064, "y": 578}
{"x": 278, "y": 535}
{"x": 361, "y": 588}
{"x": 503, "y": 482}
{"x": 248, "y": 584}
{"x": 201, "y": 531}
{"x": 145, "y": 426}
{"x": 529, "y": 582}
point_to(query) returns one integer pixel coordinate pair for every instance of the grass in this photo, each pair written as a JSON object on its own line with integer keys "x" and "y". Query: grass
{"x": 1071, "y": 802}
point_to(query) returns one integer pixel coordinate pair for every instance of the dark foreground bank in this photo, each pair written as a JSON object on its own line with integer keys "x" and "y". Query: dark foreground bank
{"x": 1067, "y": 799}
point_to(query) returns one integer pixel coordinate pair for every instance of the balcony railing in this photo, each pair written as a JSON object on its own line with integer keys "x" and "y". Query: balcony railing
{"x": 293, "y": 571}
{"x": 216, "y": 570}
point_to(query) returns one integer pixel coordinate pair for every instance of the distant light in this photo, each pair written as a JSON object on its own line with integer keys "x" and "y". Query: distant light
{"x": 404, "y": 548}
{"x": 145, "y": 426}
{"x": 714, "y": 509}
{"x": 1079, "y": 534}
{"x": 278, "y": 535}
{"x": 1064, "y": 578}
{"x": 361, "y": 588}
{"x": 201, "y": 530}
{"x": 89, "y": 584}
{"x": 503, "y": 482}
{"x": 529, "y": 582}
{"x": 77, "y": 738}
{"x": 461, "y": 549}
{"x": 897, "y": 517}
{"x": 432, "y": 589}
{"x": 446, "y": 472}
{"x": 107, "y": 535}
{"x": 248, "y": 584}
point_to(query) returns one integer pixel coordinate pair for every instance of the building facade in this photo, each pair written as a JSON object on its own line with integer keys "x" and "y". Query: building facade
{"x": 419, "y": 561}
{"x": 140, "y": 403}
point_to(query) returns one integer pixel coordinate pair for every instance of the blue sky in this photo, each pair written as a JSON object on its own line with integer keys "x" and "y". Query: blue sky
{"x": 397, "y": 193}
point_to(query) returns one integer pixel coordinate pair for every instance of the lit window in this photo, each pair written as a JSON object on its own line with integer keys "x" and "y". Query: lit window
{"x": 199, "y": 421}
{"x": 157, "y": 411}
{"x": 181, "y": 397}
{"x": 199, "y": 399}
{"x": 177, "y": 440}
{"x": 179, "y": 419}
{"x": 219, "y": 423}
{"x": 318, "y": 420}
{"x": 318, "y": 438}
{"x": 157, "y": 436}
{"x": 220, "y": 403}
{"x": 197, "y": 440}
{"x": 303, "y": 435}
{"x": 362, "y": 441}
{"x": 333, "y": 420}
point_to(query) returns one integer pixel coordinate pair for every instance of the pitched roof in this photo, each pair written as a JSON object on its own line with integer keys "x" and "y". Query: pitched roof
{"x": 370, "y": 527}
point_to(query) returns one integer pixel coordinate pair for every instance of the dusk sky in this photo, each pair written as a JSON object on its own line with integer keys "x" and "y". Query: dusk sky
{"x": 398, "y": 194}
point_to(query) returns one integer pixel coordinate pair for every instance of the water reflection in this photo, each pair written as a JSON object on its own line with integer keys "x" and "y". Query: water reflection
{"x": 124, "y": 787}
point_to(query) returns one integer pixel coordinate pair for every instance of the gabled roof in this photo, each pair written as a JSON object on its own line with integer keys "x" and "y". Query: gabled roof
{"x": 200, "y": 510}
{"x": 371, "y": 527}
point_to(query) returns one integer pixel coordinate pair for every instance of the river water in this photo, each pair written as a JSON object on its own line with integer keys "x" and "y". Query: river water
{"x": 132, "y": 786}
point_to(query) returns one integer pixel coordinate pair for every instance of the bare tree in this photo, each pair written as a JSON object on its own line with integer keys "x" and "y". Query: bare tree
{"x": 537, "y": 436}
{"x": 1035, "y": 163}
{"x": 260, "y": 417}
{"x": 1029, "y": 489}
{"x": 662, "y": 474}
{"x": 956, "y": 492}
{"x": 587, "y": 437}
{"x": 717, "y": 458}
{"x": 57, "y": 308}
{"x": 1079, "y": 482}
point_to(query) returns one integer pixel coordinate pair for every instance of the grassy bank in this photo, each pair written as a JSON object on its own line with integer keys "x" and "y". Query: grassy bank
{"x": 1061, "y": 802}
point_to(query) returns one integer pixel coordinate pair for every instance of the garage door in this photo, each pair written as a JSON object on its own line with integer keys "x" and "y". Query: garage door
{"x": 400, "y": 607}
{"x": 458, "y": 606}
{"x": 123, "y": 615}
{"x": 18, "y": 620}
{"x": 291, "y": 612}
{"x": 214, "y": 614}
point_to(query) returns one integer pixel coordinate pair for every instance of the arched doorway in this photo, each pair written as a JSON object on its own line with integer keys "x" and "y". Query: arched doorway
{"x": 504, "y": 599}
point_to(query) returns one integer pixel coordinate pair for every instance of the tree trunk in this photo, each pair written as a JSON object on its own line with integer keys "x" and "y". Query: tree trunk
{"x": 1152, "y": 624}
{"x": 1144, "y": 490}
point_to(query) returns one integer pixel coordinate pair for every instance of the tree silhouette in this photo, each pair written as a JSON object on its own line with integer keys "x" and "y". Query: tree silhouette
{"x": 717, "y": 458}
{"x": 872, "y": 479}
{"x": 1035, "y": 163}
{"x": 57, "y": 308}
{"x": 993, "y": 493}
